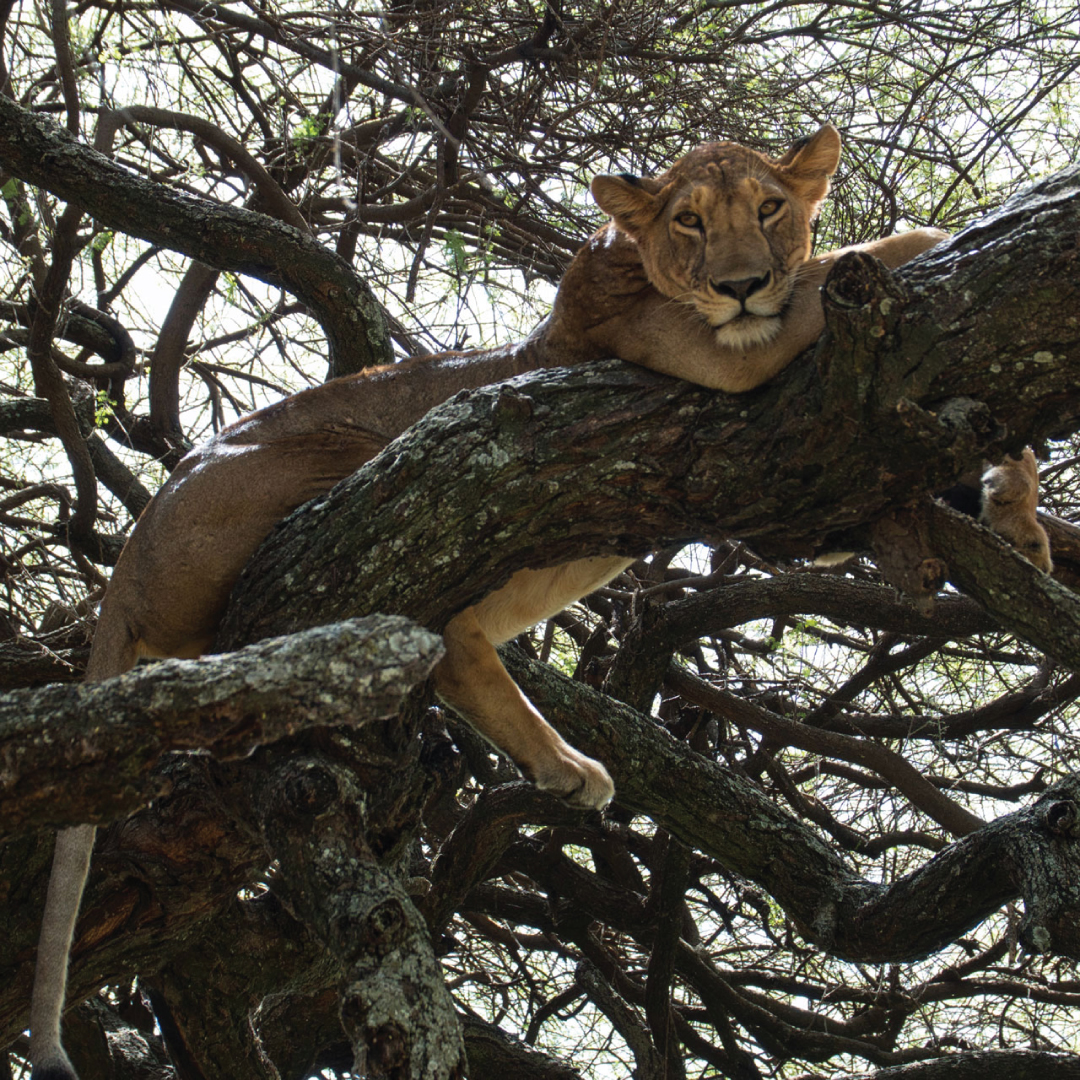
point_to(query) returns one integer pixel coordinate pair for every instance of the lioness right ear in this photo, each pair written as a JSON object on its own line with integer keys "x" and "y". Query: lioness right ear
{"x": 808, "y": 165}
{"x": 631, "y": 201}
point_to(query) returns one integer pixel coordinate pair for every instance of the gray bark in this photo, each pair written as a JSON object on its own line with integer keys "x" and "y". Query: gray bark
{"x": 72, "y": 754}
{"x": 962, "y": 354}
{"x": 918, "y": 377}
{"x": 1033, "y": 852}
{"x": 998, "y": 1064}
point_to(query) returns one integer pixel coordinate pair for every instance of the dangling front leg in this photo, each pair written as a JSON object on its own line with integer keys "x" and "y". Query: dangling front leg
{"x": 471, "y": 679}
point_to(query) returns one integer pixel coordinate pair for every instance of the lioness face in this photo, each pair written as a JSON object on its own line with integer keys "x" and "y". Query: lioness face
{"x": 725, "y": 230}
{"x": 729, "y": 245}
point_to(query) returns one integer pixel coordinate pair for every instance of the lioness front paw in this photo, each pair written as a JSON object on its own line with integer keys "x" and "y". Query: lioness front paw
{"x": 574, "y": 778}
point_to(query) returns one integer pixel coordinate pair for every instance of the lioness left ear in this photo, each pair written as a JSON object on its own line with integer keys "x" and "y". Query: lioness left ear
{"x": 807, "y": 167}
{"x": 633, "y": 202}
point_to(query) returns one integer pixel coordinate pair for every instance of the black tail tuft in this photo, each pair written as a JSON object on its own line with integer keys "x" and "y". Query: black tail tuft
{"x": 963, "y": 497}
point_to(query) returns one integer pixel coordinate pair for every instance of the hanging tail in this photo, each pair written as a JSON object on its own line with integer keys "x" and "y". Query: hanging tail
{"x": 71, "y": 861}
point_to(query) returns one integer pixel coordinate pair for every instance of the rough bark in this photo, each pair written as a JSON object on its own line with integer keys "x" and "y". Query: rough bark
{"x": 999, "y": 1064}
{"x": 394, "y": 1005}
{"x": 718, "y": 812}
{"x": 918, "y": 376}
{"x": 71, "y": 754}
{"x": 494, "y": 1055}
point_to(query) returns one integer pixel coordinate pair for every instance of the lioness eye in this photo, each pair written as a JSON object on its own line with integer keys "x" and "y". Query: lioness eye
{"x": 769, "y": 207}
{"x": 688, "y": 219}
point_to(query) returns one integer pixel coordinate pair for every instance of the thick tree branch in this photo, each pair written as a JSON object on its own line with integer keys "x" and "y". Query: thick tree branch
{"x": 720, "y": 813}
{"x": 636, "y": 461}
{"x": 395, "y": 1006}
{"x": 80, "y": 753}
{"x": 977, "y": 1065}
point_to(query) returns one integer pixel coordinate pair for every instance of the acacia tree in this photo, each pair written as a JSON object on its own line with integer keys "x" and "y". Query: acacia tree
{"x": 844, "y": 840}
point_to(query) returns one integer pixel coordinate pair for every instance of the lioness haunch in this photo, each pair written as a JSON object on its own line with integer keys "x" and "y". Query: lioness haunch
{"x": 704, "y": 273}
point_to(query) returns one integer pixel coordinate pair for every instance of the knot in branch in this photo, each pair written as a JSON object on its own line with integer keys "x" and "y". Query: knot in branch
{"x": 1062, "y": 819}
{"x": 312, "y": 791}
{"x": 863, "y": 304}
{"x": 384, "y": 928}
{"x": 860, "y": 282}
{"x": 510, "y": 407}
{"x": 1046, "y": 858}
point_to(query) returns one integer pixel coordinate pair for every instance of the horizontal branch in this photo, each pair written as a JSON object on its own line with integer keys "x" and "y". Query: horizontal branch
{"x": 979, "y": 1064}
{"x": 842, "y": 599}
{"x": 646, "y": 650}
{"x": 887, "y": 763}
{"x": 33, "y": 414}
{"x": 108, "y": 735}
{"x": 917, "y": 382}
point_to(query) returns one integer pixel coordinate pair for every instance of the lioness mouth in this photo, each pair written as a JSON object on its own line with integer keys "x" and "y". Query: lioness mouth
{"x": 747, "y": 329}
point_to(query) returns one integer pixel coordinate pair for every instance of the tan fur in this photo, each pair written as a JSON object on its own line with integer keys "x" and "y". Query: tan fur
{"x": 726, "y": 305}
{"x": 1010, "y": 507}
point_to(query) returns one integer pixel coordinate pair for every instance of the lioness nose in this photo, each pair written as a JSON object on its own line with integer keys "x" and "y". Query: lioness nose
{"x": 740, "y": 289}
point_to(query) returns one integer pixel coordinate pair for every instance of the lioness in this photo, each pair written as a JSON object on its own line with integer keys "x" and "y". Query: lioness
{"x": 704, "y": 273}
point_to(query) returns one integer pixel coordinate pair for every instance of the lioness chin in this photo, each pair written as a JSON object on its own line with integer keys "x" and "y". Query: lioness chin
{"x": 704, "y": 273}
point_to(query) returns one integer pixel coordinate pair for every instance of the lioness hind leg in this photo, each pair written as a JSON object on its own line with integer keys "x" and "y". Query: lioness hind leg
{"x": 470, "y": 678}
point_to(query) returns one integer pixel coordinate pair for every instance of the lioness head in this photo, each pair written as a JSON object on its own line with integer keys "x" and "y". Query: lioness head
{"x": 726, "y": 228}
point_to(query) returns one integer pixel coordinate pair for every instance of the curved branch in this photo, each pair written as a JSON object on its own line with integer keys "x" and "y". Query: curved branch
{"x": 34, "y": 149}
{"x": 888, "y": 764}
{"x": 712, "y": 809}
{"x": 49, "y": 383}
{"x": 274, "y": 200}
{"x": 199, "y": 279}
{"x": 976, "y": 1065}
{"x": 645, "y": 653}
{"x": 169, "y": 351}
{"x": 96, "y": 331}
